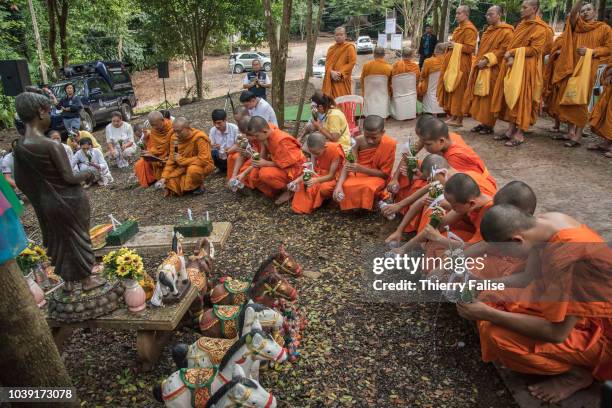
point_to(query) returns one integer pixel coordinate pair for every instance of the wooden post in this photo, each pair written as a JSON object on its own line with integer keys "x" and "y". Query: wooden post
{"x": 39, "y": 51}
{"x": 119, "y": 47}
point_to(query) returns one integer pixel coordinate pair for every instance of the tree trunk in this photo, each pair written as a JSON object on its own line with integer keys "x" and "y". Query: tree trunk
{"x": 28, "y": 354}
{"x": 436, "y": 17}
{"x": 312, "y": 32}
{"x": 447, "y": 19}
{"x": 39, "y": 51}
{"x": 601, "y": 10}
{"x": 63, "y": 20}
{"x": 568, "y": 7}
{"x": 444, "y": 17}
{"x": 51, "y": 10}
{"x": 279, "y": 48}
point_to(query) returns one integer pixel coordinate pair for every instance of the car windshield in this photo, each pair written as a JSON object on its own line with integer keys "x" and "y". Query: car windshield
{"x": 321, "y": 62}
{"x": 261, "y": 54}
{"x": 60, "y": 93}
{"x": 364, "y": 40}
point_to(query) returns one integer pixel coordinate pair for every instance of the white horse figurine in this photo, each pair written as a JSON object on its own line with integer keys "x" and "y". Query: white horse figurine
{"x": 247, "y": 351}
{"x": 199, "y": 388}
{"x": 171, "y": 271}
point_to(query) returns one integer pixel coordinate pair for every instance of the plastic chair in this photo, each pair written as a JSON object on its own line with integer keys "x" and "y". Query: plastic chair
{"x": 352, "y": 107}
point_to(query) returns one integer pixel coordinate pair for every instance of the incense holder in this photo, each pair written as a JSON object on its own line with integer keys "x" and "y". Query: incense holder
{"x": 123, "y": 233}
{"x": 194, "y": 228}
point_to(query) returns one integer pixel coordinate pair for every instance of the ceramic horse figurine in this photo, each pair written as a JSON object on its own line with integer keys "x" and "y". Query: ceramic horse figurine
{"x": 170, "y": 272}
{"x": 252, "y": 347}
{"x": 282, "y": 263}
{"x": 200, "y": 388}
{"x": 265, "y": 290}
{"x": 229, "y": 321}
{"x": 200, "y": 265}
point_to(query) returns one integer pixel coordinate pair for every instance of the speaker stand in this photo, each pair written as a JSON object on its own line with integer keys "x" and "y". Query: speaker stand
{"x": 165, "y": 104}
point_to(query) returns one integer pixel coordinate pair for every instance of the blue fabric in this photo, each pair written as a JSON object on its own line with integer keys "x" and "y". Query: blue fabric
{"x": 72, "y": 123}
{"x": 13, "y": 239}
{"x": 262, "y": 76}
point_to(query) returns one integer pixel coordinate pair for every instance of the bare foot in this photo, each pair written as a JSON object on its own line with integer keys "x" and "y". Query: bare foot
{"x": 92, "y": 282}
{"x": 562, "y": 386}
{"x": 283, "y": 198}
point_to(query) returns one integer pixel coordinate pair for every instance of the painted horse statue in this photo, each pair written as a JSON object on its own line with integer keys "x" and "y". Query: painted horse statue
{"x": 282, "y": 263}
{"x": 229, "y": 321}
{"x": 266, "y": 290}
{"x": 202, "y": 388}
{"x": 252, "y": 347}
{"x": 171, "y": 272}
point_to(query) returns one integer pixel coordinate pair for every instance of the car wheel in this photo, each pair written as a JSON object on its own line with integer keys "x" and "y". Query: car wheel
{"x": 267, "y": 67}
{"x": 238, "y": 69}
{"x": 126, "y": 112}
{"x": 87, "y": 122}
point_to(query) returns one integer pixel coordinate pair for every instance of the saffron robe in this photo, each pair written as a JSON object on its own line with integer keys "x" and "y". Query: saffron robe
{"x": 532, "y": 35}
{"x": 463, "y": 158}
{"x": 431, "y": 65}
{"x": 551, "y": 94}
{"x": 405, "y": 67}
{"x": 493, "y": 46}
{"x": 576, "y": 261}
{"x": 361, "y": 190}
{"x": 452, "y": 102}
{"x": 233, "y": 156}
{"x": 341, "y": 58}
{"x": 601, "y": 118}
{"x": 196, "y": 164}
{"x": 286, "y": 152}
{"x": 158, "y": 144}
{"x": 375, "y": 67}
{"x": 306, "y": 200}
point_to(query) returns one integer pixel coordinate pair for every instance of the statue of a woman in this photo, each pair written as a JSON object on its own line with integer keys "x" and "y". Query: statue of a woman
{"x": 44, "y": 175}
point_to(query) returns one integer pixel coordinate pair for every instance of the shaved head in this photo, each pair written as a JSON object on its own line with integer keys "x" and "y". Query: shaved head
{"x": 257, "y": 124}
{"x": 316, "y": 141}
{"x": 379, "y": 52}
{"x": 494, "y": 15}
{"x": 340, "y": 35}
{"x": 440, "y": 48}
{"x": 434, "y": 129}
{"x": 464, "y": 9}
{"x": 340, "y": 29}
{"x": 240, "y": 111}
{"x": 155, "y": 115}
{"x": 182, "y": 127}
{"x": 462, "y": 188}
{"x": 422, "y": 122}
{"x": 182, "y": 122}
{"x": 497, "y": 9}
{"x": 407, "y": 53}
{"x": 374, "y": 123}
{"x": 518, "y": 194}
{"x": 431, "y": 161}
{"x": 501, "y": 222}
{"x": 243, "y": 123}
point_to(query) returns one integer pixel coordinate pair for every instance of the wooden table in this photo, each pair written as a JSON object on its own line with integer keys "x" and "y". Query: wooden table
{"x": 157, "y": 239}
{"x": 154, "y": 327}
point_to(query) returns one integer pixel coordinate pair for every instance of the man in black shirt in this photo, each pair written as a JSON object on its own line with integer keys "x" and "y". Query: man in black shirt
{"x": 428, "y": 43}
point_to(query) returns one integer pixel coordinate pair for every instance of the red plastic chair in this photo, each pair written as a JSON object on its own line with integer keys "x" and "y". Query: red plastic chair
{"x": 352, "y": 107}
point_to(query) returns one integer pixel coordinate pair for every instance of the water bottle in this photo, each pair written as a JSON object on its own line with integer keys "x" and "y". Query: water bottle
{"x": 381, "y": 205}
{"x": 222, "y": 153}
{"x": 341, "y": 196}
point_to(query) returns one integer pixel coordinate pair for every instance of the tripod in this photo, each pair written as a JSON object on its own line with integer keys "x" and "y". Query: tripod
{"x": 165, "y": 104}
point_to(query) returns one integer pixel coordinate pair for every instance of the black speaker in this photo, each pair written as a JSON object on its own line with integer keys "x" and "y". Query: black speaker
{"x": 163, "y": 70}
{"x": 15, "y": 76}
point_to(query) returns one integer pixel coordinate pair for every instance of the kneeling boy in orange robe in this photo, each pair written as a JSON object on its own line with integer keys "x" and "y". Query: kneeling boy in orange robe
{"x": 158, "y": 145}
{"x": 190, "y": 161}
{"x": 562, "y": 330}
{"x": 363, "y": 182}
{"x": 327, "y": 158}
{"x": 281, "y": 160}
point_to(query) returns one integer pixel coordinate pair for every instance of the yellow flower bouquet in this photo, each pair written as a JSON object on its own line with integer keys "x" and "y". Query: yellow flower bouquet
{"x": 123, "y": 264}
{"x": 32, "y": 257}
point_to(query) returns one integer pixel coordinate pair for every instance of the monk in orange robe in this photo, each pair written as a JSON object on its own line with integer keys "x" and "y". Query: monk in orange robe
{"x": 339, "y": 63}
{"x": 327, "y": 160}
{"x": 493, "y": 46}
{"x": 158, "y": 145}
{"x": 280, "y": 162}
{"x": 456, "y": 67}
{"x": 362, "y": 183}
{"x": 428, "y": 97}
{"x": 190, "y": 160}
{"x": 550, "y": 94}
{"x": 559, "y": 327}
{"x": 586, "y": 40}
{"x": 406, "y": 65}
{"x": 518, "y": 90}
{"x": 601, "y": 118}
{"x": 378, "y": 66}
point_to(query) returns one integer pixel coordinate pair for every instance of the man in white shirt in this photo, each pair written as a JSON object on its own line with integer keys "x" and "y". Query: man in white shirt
{"x": 257, "y": 81}
{"x": 120, "y": 140}
{"x": 258, "y": 107}
{"x": 7, "y": 165}
{"x": 56, "y": 136}
{"x": 88, "y": 157}
{"x": 222, "y": 137}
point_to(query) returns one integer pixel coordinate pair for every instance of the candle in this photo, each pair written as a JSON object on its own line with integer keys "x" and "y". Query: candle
{"x": 189, "y": 214}
{"x": 207, "y": 218}
{"x": 113, "y": 222}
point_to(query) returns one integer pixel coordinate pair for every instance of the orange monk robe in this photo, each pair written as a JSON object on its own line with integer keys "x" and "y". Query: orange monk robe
{"x": 306, "y": 200}
{"x": 463, "y": 158}
{"x": 405, "y": 67}
{"x": 341, "y": 58}
{"x": 285, "y": 151}
{"x": 233, "y": 156}
{"x": 195, "y": 163}
{"x": 596, "y": 35}
{"x": 601, "y": 118}
{"x": 158, "y": 144}
{"x": 550, "y": 94}
{"x": 532, "y": 35}
{"x": 495, "y": 40}
{"x": 452, "y": 102}
{"x": 431, "y": 65}
{"x": 377, "y": 66}
{"x": 361, "y": 190}
{"x": 577, "y": 261}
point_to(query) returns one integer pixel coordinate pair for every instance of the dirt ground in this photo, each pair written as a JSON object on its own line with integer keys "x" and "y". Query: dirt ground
{"x": 355, "y": 352}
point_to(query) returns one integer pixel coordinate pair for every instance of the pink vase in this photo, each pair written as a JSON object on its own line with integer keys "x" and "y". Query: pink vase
{"x": 36, "y": 291}
{"x": 134, "y": 295}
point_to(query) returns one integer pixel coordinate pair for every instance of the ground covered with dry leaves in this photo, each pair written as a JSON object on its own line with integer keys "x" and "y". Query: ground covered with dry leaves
{"x": 355, "y": 352}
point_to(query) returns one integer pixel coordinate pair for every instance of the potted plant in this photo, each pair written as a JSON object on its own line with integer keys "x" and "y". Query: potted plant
{"x": 126, "y": 265}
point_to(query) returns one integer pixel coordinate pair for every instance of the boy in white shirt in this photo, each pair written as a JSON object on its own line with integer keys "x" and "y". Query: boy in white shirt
{"x": 258, "y": 107}
{"x": 120, "y": 140}
{"x": 88, "y": 157}
{"x": 222, "y": 136}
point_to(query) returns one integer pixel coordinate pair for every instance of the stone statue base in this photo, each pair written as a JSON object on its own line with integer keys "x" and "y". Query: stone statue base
{"x": 79, "y": 305}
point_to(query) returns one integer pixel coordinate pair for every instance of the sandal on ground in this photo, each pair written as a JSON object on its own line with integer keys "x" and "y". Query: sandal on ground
{"x": 560, "y": 136}
{"x": 514, "y": 142}
{"x": 554, "y": 130}
{"x": 485, "y": 130}
{"x": 477, "y": 129}
{"x": 454, "y": 124}
{"x": 597, "y": 146}
{"x": 572, "y": 143}
{"x": 503, "y": 136}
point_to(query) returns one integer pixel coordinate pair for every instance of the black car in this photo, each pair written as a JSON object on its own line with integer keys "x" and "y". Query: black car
{"x": 104, "y": 87}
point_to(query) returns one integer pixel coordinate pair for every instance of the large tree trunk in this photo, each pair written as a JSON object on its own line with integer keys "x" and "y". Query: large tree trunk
{"x": 568, "y": 7}
{"x": 279, "y": 48}
{"x": 444, "y": 17}
{"x": 28, "y": 354}
{"x": 312, "y": 32}
{"x": 601, "y": 10}
{"x": 53, "y": 36}
{"x": 63, "y": 20}
{"x": 436, "y": 17}
{"x": 448, "y": 4}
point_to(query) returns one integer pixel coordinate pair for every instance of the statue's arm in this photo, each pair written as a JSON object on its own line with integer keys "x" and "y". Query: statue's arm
{"x": 58, "y": 156}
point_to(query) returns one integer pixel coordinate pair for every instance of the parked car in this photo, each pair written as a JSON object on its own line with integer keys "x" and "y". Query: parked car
{"x": 104, "y": 87}
{"x": 364, "y": 44}
{"x": 318, "y": 69}
{"x": 243, "y": 61}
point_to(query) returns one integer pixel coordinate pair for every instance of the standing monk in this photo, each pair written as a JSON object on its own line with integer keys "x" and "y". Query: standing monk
{"x": 601, "y": 118}
{"x": 456, "y": 67}
{"x": 493, "y": 46}
{"x": 339, "y": 63}
{"x": 517, "y": 93}
{"x": 551, "y": 91}
{"x": 189, "y": 162}
{"x": 586, "y": 44}
{"x": 157, "y": 147}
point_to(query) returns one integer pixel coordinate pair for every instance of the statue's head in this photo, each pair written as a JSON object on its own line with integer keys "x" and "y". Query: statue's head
{"x": 34, "y": 109}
